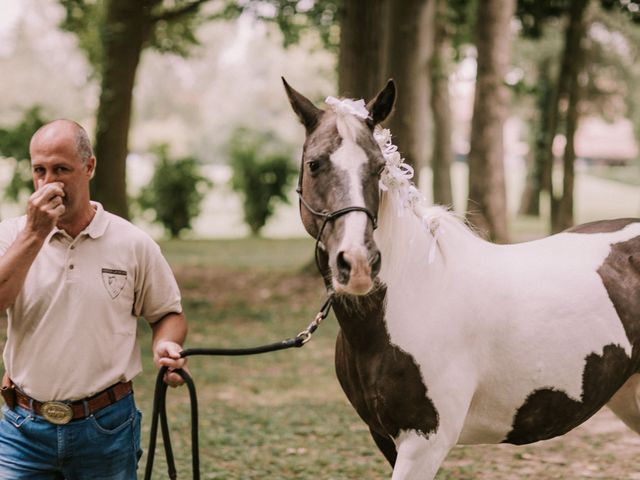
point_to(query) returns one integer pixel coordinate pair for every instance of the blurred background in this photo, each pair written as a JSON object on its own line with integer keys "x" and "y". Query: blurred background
{"x": 523, "y": 115}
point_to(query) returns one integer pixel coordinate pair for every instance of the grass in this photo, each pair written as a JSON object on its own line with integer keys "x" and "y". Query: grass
{"x": 280, "y": 415}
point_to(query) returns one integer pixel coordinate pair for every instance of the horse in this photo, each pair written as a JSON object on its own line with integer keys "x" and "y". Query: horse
{"x": 446, "y": 338}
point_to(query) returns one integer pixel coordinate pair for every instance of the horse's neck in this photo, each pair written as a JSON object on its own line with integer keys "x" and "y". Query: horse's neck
{"x": 420, "y": 248}
{"x": 405, "y": 245}
{"x": 362, "y": 319}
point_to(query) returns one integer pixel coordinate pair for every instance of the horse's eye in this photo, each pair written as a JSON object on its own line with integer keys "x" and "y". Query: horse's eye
{"x": 313, "y": 165}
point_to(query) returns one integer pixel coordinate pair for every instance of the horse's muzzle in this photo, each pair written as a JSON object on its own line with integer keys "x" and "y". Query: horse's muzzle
{"x": 356, "y": 271}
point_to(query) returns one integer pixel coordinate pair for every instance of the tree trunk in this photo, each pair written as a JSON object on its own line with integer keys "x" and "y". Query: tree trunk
{"x": 363, "y": 47}
{"x": 562, "y": 207}
{"x": 127, "y": 28}
{"x": 487, "y": 205}
{"x": 530, "y": 202}
{"x": 410, "y": 48}
{"x": 442, "y": 157}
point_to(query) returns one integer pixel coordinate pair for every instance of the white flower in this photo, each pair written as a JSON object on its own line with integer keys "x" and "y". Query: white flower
{"x": 348, "y": 107}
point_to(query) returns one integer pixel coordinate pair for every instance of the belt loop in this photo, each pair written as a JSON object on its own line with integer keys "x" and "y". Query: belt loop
{"x": 85, "y": 406}
{"x": 31, "y": 409}
{"x": 111, "y": 394}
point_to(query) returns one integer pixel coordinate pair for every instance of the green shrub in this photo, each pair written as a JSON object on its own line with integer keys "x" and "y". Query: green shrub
{"x": 262, "y": 174}
{"x": 14, "y": 143}
{"x": 175, "y": 192}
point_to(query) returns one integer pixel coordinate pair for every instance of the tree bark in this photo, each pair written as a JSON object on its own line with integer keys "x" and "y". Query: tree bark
{"x": 363, "y": 47}
{"x": 410, "y": 48}
{"x": 562, "y": 207}
{"x": 442, "y": 156}
{"x": 127, "y": 28}
{"x": 530, "y": 202}
{"x": 487, "y": 204}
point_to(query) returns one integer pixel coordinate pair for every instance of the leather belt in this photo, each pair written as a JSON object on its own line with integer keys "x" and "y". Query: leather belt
{"x": 60, "y": 413}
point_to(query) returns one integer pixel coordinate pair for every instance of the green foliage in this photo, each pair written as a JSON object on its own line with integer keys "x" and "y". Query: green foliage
{"x": 293, "y": 17}
{"x": 262, "y": 173}
{"x": 175, "y": 192}
{"x": 14, "y": 143}
{"x": 172, "y": 22}
{"x": 86, "y": 19}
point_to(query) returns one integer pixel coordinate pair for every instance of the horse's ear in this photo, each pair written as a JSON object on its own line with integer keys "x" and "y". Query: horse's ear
{"x": 380, "y": 107}
{"x": 307, "y": 112}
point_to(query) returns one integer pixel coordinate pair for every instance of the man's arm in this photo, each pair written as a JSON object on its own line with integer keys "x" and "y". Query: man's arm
{"x": 169, "y": 334}
{"x": 43, "y": 210}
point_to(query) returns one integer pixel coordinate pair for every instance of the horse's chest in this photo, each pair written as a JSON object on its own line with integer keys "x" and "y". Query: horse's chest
{"x": 385, "y": 387}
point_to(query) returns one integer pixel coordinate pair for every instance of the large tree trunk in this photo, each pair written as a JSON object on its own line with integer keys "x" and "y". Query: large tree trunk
{"x": 363, "y": 47}
{"x": 562, "y": 207}
{"x": 487, "y": 206}
{"x": 410, "y": 47}
{"x": 127, "y": 27}
{"x": 442, "y": 157}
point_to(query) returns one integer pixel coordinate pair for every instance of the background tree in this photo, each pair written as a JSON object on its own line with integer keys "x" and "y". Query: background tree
{"x": 124, "y": 29}
{"x": 564, "y": 89}
{"x": 14, "y": 143}
{"x": 442, "y": 151}
{"x": 487, "y": 208}
{"x": 409, "y": 51}
{"x": 570, "y": 91}
{"x": 363, "y": 50}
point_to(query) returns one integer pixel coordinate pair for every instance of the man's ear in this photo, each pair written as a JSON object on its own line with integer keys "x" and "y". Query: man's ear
{"x": 307, "y": 112}
{"x": 380, "y": 107}
{"x": 91, "y": 166}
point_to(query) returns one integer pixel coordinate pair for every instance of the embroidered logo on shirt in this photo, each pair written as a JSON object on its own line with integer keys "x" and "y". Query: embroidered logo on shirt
{"x": 114, "y": 281}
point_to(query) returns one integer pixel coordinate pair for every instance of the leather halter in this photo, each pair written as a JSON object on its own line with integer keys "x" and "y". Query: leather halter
{"x": 328, "y": 217}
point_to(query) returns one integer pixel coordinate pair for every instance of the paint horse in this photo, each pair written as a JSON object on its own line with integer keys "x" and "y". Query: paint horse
{"x": 448, "y": 339}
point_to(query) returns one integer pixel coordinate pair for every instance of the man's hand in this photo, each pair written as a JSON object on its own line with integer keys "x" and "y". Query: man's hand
{"x": 167, "y": 354}
{"x": 45, "y": 207}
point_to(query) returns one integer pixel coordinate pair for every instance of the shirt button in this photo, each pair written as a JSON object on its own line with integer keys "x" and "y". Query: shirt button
{"x": 71, "y": 267}
{"x": 73, "y": 247}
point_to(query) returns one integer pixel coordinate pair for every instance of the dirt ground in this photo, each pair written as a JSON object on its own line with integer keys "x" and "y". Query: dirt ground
{"x": 601, "y": 448}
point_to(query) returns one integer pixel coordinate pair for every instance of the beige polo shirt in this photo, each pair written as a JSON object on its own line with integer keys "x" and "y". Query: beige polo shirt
{"x": 72, "y": 328}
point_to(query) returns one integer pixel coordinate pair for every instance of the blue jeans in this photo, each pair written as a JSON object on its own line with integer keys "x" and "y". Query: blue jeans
{"x": 103, "y": 446}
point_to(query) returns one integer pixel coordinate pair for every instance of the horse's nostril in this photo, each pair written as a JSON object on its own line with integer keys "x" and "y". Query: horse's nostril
{"x": 344, "y": 268}
{"x": 375, "y": 264}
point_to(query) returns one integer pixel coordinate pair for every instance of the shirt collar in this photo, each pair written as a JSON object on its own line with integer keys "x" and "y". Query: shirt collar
{"x": 99, "y": 223}
{"x": 95, "y": 229}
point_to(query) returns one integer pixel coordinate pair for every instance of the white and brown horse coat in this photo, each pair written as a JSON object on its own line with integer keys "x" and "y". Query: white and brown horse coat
{"x": 491, "y": 343}
{"x": 486, "y": 343}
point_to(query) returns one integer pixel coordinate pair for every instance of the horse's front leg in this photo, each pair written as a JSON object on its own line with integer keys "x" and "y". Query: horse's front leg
{"x": 419, "y": 457}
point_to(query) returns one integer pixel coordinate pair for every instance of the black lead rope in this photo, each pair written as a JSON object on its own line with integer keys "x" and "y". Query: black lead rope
{"x": 160, "y": 393}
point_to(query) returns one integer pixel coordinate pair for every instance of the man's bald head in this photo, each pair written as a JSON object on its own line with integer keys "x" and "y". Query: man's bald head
{"x": 61, "y": 129}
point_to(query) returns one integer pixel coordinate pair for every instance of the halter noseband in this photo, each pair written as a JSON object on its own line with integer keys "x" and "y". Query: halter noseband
{"x": 330, "y": 216}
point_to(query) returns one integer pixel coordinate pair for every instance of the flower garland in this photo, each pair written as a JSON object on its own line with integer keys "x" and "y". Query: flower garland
{"x": 396, "y": 175}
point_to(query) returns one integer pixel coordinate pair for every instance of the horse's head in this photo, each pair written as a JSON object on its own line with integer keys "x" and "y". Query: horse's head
{"x": 339, "y": 193}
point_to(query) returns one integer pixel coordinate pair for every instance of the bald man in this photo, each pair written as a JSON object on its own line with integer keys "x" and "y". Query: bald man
{"x": 74, "y": 279}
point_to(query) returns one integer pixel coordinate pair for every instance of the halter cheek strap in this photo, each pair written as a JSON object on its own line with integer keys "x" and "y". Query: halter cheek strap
{"x": 328, "y": 217}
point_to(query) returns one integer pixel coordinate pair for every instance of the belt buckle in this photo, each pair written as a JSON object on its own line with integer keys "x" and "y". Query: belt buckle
{"x": 57, "y": 413}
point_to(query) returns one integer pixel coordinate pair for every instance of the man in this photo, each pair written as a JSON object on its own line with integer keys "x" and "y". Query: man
{"x": 74, "y": 278}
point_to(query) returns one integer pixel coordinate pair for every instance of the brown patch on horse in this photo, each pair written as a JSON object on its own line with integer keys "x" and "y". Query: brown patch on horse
{"x": 620, "y": 275}
{"x": 549, "y": 412}
{"x": 382, "y": 382}
{"x": 602, "y": 226}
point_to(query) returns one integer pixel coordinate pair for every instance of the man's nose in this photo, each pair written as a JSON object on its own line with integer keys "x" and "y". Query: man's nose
{"x": 49, "y": 177}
